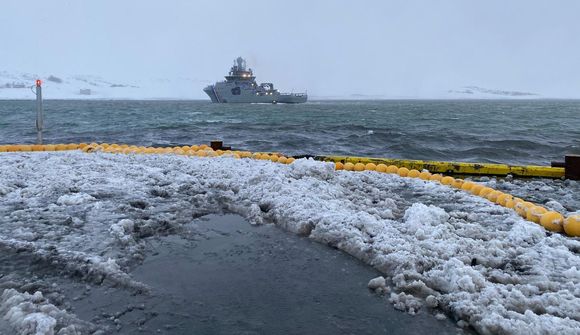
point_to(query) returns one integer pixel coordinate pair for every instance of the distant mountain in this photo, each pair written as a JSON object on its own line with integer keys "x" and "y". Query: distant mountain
{"x": 15, "y": 85}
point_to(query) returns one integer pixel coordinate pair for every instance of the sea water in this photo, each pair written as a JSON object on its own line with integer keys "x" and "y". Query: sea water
{"x": 501, "y": 131}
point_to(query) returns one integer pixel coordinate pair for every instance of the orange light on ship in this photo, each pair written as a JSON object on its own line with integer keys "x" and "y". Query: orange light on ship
{"x": 38, "y": 82}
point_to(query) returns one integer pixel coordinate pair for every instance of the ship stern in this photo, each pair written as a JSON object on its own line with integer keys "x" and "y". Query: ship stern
{"x": 293, "y": 98}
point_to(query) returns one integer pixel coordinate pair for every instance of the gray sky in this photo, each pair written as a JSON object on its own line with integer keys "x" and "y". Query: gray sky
{"x": 394, "y": 48}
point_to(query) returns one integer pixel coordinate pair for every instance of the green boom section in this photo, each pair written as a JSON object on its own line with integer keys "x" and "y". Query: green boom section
{"x": 483, "y": 169}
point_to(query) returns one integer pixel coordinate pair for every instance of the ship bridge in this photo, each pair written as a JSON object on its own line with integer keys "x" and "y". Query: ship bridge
{"x": 239, "y": 72}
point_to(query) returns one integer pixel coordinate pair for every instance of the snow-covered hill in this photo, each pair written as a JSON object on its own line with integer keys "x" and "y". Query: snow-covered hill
{"x": 17, "y": 85}
{"x": 14, "y": 85}
{"x": 475, "y": 92}
{"x": 466, "y": 92}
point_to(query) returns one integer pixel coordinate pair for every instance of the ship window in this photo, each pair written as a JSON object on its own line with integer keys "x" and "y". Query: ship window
{"x": 236, "y": 91}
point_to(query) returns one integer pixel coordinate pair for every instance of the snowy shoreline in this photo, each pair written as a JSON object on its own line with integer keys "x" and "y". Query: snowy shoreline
{"x": 463, "y": 255}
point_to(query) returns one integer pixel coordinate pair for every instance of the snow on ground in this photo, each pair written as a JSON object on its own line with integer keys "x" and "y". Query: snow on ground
{"x": 441, "y": 250}
{"x": 33, "y": 314}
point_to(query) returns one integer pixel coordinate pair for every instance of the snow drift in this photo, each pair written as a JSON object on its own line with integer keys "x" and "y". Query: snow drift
{"x": 440, "y": 249}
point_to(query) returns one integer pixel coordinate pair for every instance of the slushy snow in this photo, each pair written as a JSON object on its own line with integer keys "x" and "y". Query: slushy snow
{"x": 437, "y": 247}
{"x": 32, "y": 314}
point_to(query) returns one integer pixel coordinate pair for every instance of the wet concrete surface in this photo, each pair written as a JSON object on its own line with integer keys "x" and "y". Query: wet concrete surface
{"x": 225, "y": 276}
{"x": 228, "y": 277}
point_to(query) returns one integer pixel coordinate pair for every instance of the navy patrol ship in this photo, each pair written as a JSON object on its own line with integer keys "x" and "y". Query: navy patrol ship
{"x": 240, "y": 87}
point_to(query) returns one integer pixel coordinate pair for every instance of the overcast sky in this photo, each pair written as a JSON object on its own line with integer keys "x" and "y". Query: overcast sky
{"x": 393, "y": 48}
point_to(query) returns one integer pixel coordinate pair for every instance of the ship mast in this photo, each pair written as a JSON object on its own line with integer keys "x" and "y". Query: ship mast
{"x": 239, "y": 72}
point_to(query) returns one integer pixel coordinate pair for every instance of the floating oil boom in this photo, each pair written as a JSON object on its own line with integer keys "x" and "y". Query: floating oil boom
{"x": 240, "y": 86}
{"x": 549, "y": 219}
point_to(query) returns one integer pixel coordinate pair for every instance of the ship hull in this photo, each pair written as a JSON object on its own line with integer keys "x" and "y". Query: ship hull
{"x": 231, "y": 93}
{"x": 211, "y": 93}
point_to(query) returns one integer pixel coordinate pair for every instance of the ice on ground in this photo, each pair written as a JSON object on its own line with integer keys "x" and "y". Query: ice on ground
{"x": 431, "y": 301}
{"x": 378, "y": 282}
{"x": 32, "y": 314}
{"x": 406, "y": 302}
{"x": 123, "y": 230}
{"x": 74, "y": 199}
{"x": 88, "y": 214}
{"x": 426, "y": 221}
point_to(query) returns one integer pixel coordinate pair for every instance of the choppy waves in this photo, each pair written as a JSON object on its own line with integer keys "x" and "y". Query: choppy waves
{"x": 515, "y": 132}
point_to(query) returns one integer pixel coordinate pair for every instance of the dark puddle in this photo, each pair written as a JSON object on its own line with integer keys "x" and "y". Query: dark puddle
{"x": 228, "y": 277}
{"x": 225, "y": 276}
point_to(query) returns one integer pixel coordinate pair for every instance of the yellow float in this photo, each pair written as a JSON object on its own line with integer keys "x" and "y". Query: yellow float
{"x": 552, "y": 221}
{"x": 371, "y": 167}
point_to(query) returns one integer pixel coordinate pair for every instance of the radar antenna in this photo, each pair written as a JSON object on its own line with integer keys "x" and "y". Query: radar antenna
{"x": 241, "y": 64}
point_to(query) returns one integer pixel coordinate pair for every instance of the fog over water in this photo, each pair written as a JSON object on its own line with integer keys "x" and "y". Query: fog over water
{"x": 331, "y": 48}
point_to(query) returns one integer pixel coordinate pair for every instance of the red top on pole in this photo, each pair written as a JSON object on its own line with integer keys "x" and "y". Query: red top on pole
{"x": 38, "y": 82}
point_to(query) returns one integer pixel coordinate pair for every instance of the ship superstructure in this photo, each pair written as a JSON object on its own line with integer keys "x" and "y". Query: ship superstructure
{"x": 240, "y": 86}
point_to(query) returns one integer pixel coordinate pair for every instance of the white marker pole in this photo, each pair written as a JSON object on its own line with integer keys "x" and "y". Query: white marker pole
{"x": 39, "y": 116}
